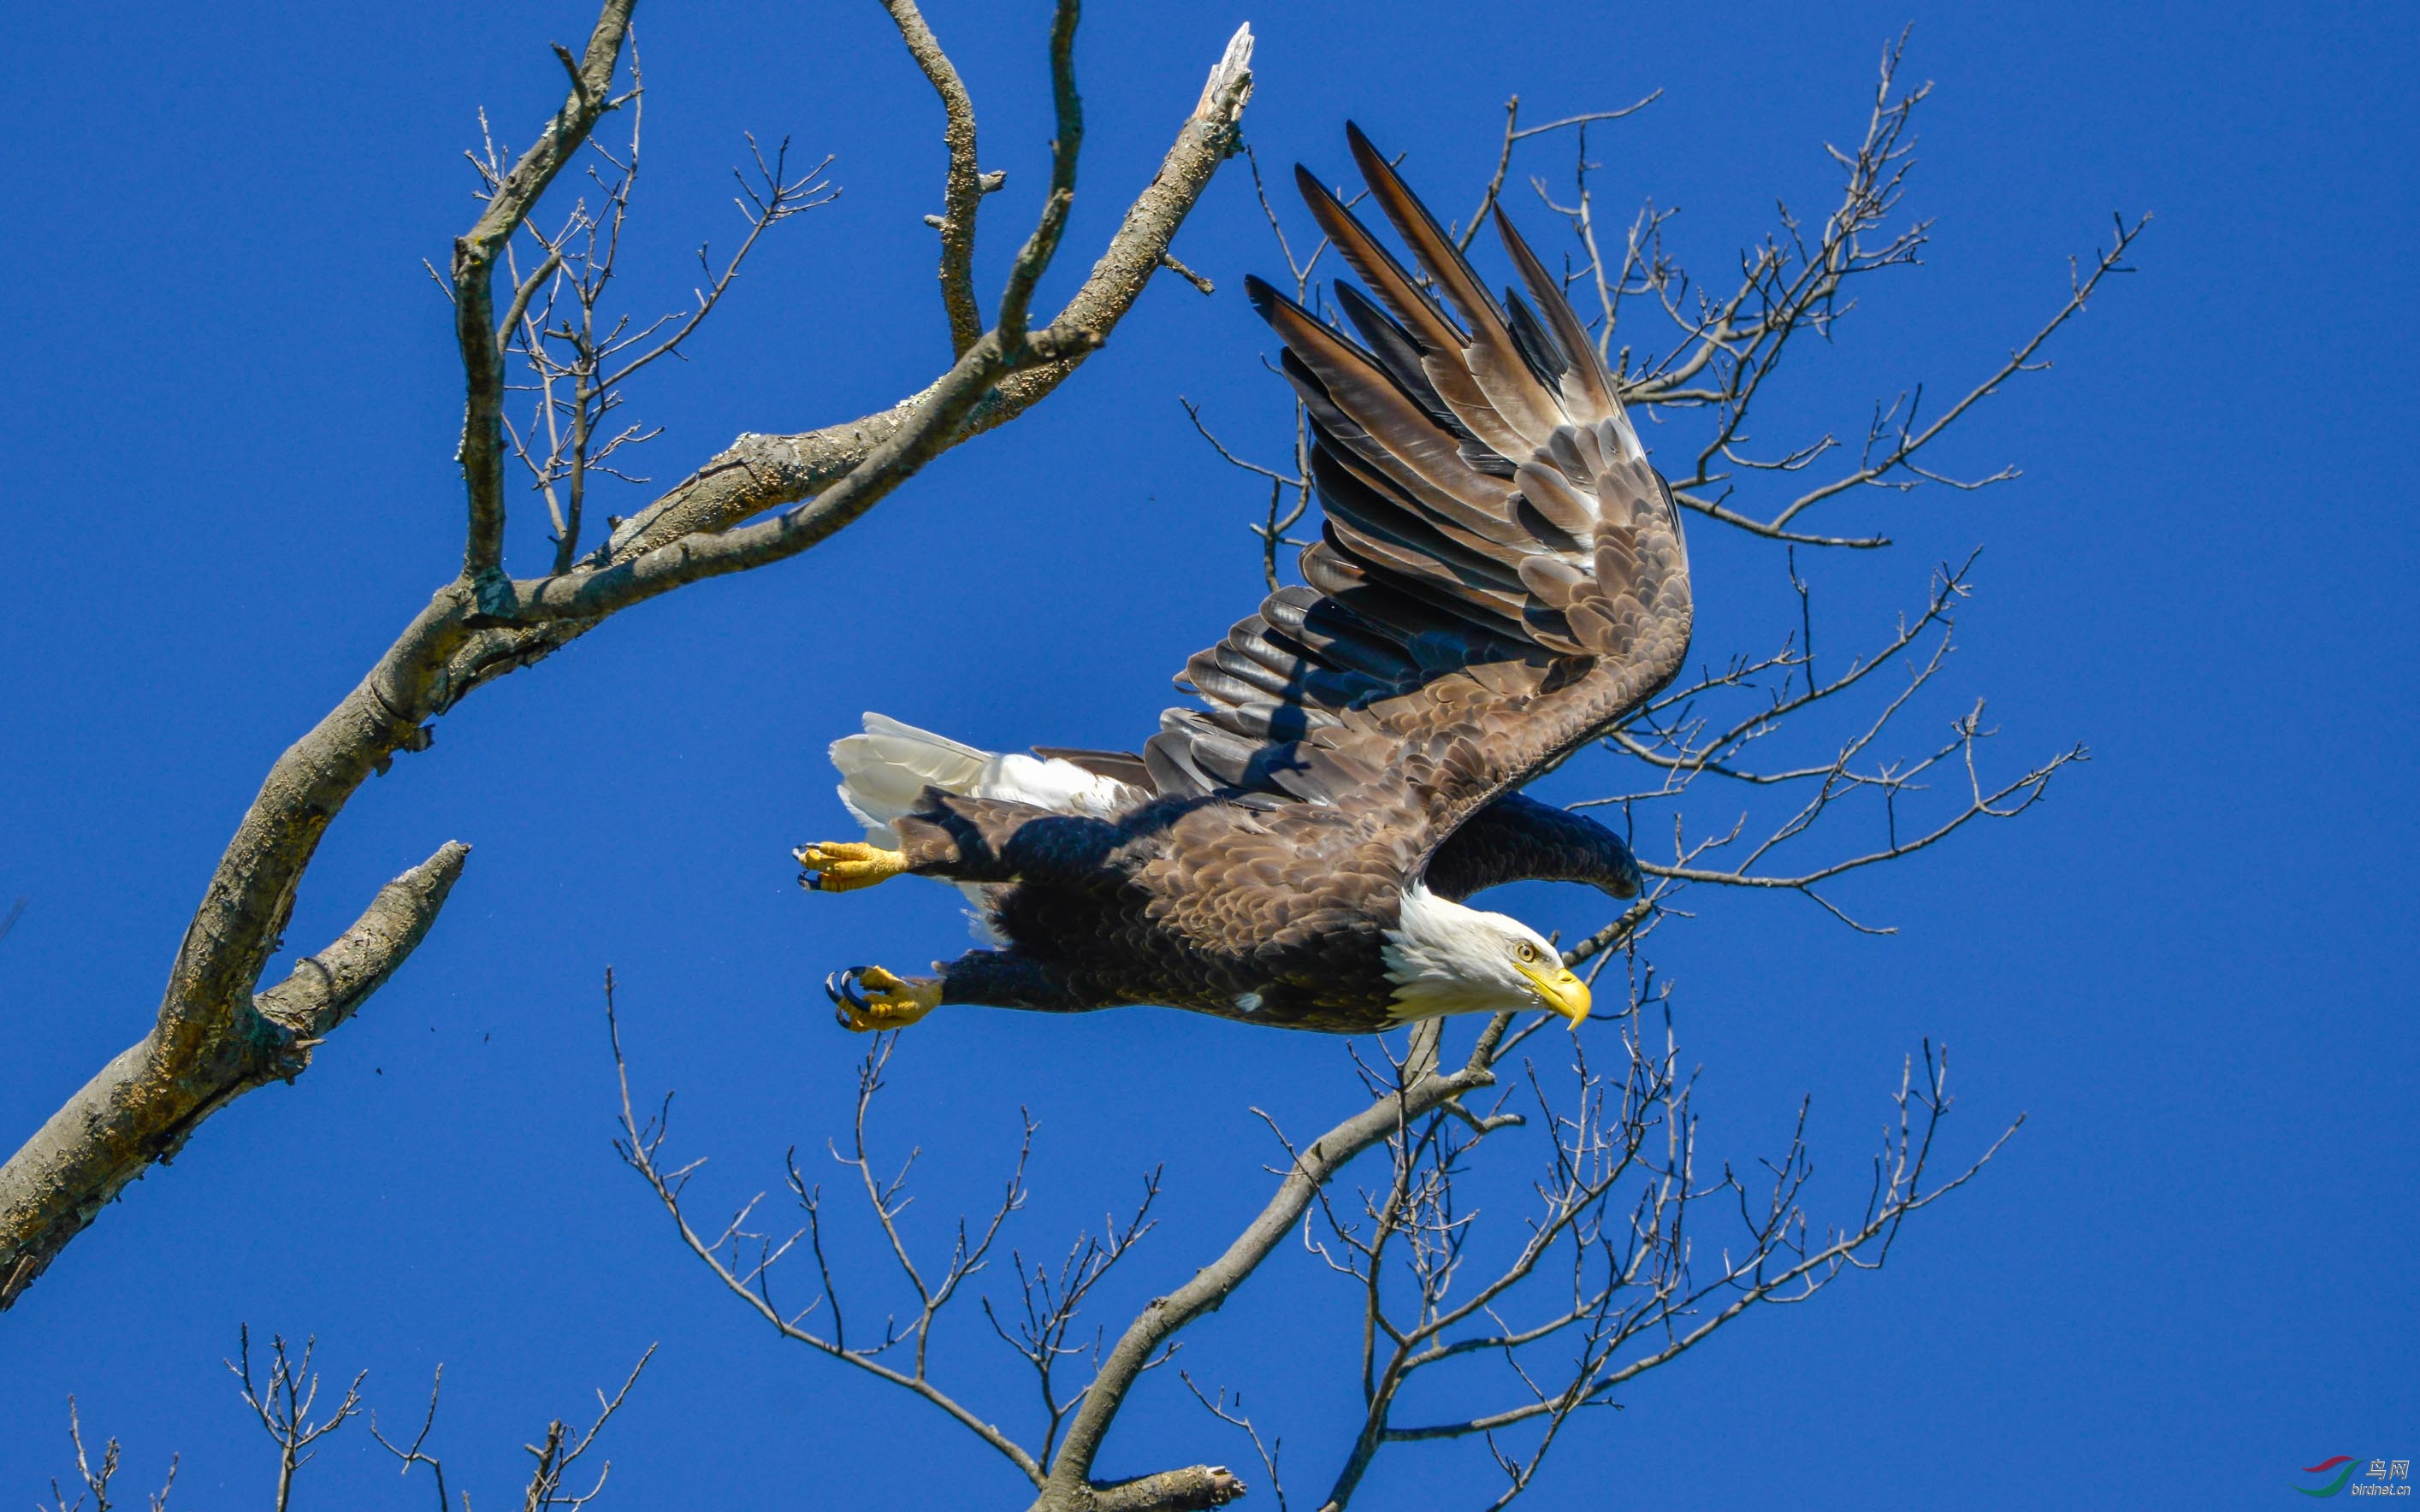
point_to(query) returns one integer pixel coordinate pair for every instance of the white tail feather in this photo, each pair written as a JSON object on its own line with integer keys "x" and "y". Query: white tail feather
{"x": 885, "y": 771}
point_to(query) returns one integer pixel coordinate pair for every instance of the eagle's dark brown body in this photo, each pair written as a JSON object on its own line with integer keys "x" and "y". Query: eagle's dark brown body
{"x": 1149, "y": 908}
{"x": 1277, "y": 919}
{"x": 1500, "y": 579}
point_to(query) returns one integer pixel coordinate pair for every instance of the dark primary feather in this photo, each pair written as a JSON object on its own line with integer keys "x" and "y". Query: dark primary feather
{"x": 1500, "y": 576}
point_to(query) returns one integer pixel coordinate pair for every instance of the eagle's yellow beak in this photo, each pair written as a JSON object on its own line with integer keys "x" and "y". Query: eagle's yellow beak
{"x": 1563, "y": 991}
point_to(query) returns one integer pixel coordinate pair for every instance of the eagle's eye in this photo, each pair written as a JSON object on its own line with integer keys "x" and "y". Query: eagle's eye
{"x": 1525, "y": 952}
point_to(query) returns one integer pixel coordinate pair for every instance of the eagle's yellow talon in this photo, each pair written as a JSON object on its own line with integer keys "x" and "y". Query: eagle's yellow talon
{"x": 871, "y": 999}
{"x": 846, "y": 865}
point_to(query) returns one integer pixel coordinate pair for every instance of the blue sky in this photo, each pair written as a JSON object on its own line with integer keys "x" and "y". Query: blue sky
{"x": 233, "y": 397}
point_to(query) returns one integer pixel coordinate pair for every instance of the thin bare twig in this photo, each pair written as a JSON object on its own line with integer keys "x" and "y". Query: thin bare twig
{"x": 95, "y": 1479}
{"x": 285, "y": 1402}
{"x": 1515, "y": 133}
{"x": 752, "y": 1280}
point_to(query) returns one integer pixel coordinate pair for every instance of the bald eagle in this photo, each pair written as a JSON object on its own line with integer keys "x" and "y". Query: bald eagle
{"x": 1500, "y": 576}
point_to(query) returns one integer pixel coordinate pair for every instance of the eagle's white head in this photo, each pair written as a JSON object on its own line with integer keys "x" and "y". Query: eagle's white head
{"x": 1444, "y": 958}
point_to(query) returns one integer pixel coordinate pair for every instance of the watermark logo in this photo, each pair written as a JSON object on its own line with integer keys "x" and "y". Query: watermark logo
{"x": 2380, "y": 1478}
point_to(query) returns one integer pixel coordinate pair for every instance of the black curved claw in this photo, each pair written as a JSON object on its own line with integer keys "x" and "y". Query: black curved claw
{"x": 811, "y": 881}
{"x": 840, "y": 987}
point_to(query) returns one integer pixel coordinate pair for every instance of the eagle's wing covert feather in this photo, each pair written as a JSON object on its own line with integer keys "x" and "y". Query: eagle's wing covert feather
{"x": 1501, "y": 575}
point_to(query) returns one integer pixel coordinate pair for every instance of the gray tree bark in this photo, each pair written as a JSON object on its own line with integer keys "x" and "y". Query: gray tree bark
{"x": 214, "y": 1038}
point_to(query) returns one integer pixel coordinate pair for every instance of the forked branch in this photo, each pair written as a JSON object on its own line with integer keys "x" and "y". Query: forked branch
{"x": 95, "y": 1479}
{"x": 210, "y": 1041}
{"x": 144, "y": 1105}
{"x": 286, "y": 1403}
{"x": 747, "y": 1262}
{"x": 510, "y": 199}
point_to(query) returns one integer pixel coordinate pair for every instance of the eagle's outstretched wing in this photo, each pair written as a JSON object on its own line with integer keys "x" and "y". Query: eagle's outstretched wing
{"x": 1501, "y": 574}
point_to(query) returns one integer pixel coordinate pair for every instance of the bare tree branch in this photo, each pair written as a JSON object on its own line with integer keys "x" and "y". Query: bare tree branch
{"x": 1609, "y": 1296}
{"x": 562, "y": 1447}
{"x": 95, "y": 1481}
{"x": 210, "y": 1041}
{"x": 1898, "y": 453}
{"x": 509, "y": 201}
{"x": 414, "y": 1453}
{"x": 144, "y": 1104}
{"x": 751, "y": 1282}
{"x": 746, "y": 1260}
{"x": 1591, "y": 1296}
{"x": 285, "y": 1402}
{"x": 1234, "y": 1416}
{"x": 1515, "y": 133}
{"x": 963, "y": 189}
{"x": 579, "y": 357}
{"x": 557, "y": 1451}
{"x": 1195, "y": 1489}
{"x": 1210, "y": 1285}
{"x": 761, "y": 473}
{"x": 1043, "y": 245}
